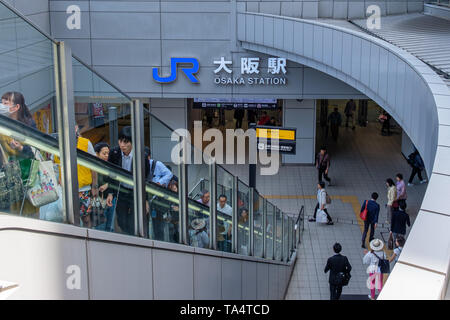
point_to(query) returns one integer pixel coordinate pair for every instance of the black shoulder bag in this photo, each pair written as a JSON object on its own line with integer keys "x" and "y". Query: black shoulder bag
{"x": 383, "y": 264}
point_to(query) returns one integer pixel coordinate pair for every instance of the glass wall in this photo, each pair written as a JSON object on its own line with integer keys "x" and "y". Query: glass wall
{"x": 30, "y": 184}
{"x": 440, "y": 2}
{"x": 243, "y": 241}
{"x": 258, "y": 212}
{"x": 162, "y": 219}
{"x": 198, "y": 188}
{"x": 107, "y": 203}
{"x": 29, "y": 178}
{"x": 269, "y": 230}
{"x": 103, "y": 129}
{"x": 31, "y": 172}
{"x": 285, "y": 238}
{"x": 224, "y": 211}
{"x": 278, "y": 235}
{"x": 198, "y": 224}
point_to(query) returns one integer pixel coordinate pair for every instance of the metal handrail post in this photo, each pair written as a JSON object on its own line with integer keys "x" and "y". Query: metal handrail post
{"x": 65, "y": 113}
{"x": 137, "y": 126}
{"x": 274, "y": 230}
{"x": 250, "y": 219}
{"x": 213, "y": 207}
{"x": 183, "y": 199}
{"x": 282, "y": 236}
{"x": 264, "y": 226}
{"x": 235, "y": 219}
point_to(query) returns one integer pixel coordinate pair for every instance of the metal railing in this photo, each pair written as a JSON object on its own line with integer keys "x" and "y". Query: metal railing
{"x": 69, "y": 72}
{"x": 444, "y": 3}
{"x": 299, "y": 226}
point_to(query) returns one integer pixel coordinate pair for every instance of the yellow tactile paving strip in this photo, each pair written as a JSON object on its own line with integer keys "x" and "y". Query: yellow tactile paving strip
{"x": 353, "y": 200}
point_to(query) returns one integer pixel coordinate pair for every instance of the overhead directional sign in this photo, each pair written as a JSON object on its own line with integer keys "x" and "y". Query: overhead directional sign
{"x": 285, "y": 139}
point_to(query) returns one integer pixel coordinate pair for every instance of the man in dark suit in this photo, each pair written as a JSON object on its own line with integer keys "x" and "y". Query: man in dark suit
{"x": 373, "y": 210}
{"x": 336, "y": 264}
{"x": 122, "y": 156}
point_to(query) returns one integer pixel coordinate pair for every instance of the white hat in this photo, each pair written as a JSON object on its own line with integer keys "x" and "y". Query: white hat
{"x": 198, "y": 224}
{"x": 376, "y": 245}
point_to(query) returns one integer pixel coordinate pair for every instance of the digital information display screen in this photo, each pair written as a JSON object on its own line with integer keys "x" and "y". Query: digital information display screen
{"x": 235, "y": 103}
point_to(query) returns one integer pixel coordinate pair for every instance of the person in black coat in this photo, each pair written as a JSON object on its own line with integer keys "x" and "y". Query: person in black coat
{"x": 399, "y": 221}
{"x": 336, "y": 264}
{"x": 239, "y": 115}
{"x": 373, "y": 210}
{"x": 416, "y": 162}
{"x": 122, "y": 156}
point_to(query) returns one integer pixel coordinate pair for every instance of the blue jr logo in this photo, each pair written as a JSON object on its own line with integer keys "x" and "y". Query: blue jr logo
{"x": 189, "y": 72}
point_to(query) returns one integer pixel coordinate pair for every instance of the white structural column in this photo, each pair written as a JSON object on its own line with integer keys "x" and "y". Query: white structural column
{"x": 412, "y": 93}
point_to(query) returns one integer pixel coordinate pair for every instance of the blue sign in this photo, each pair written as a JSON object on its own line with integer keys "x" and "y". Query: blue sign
{"x": 189, "y": 72}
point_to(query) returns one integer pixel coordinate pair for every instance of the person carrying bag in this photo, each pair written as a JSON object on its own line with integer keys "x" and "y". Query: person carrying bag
{"x": 11, "y": 186}
{"x": 375, "y": 258}
{"x": 42, "y": 183}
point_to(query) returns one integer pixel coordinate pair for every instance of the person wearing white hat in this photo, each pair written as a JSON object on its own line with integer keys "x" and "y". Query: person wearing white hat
{"x": 372, "y": 258}
{"x": 198, "y": 235}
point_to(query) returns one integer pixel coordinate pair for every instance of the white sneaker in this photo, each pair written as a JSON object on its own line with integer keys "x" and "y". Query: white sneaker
{"x": 424, "y": 181}
{"x": 410, "y": 184}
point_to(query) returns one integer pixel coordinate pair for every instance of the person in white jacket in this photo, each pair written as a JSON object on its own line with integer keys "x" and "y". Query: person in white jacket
{"x": 322, "y": 203}
{"x": 372, "y": 258}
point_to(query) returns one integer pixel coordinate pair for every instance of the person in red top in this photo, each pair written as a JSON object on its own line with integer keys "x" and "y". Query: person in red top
{"x": 264, "y": 120}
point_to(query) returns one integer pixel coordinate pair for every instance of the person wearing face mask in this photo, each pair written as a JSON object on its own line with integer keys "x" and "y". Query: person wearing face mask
{"x": 13, "y": 105}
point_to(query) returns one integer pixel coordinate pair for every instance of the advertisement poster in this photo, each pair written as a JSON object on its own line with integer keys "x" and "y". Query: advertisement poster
{"x": 43, "y": 119}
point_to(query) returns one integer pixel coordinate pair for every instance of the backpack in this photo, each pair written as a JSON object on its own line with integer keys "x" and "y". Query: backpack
{"x": 383, "y": 264}
{"x": 152, "y": 170}
{"x": 411, "y": 160}
{"x": 173, "y": 179}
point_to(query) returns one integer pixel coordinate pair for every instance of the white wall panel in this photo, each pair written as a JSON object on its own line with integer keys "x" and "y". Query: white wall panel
{"x": 262, "y": 272}
{"x": 278, "y": 33}
{"x": 249, "y": 280}
{"x": 327, "y": 46}
{"x": 308, "y": 40}
{"x": 119, "y": 272}
{"x": 365, "y": 62}
{"x": 298, "y": 38}
{"x": 268, "y": 31}
{"x": 173, "y": 275}
{"x": 42, "y": 263}
{"x": 288, "y": 31}
{"x": 337, "y": 49}
{"x": 374, "y": 67}
{"x": 318, "y": 44}
{"x": 347, "y": 54}
{"x": 231, "y": 279}
{"x": 259, "y": 30}
{"x": 207, "y": 285}
{"x": 249, "y": 28}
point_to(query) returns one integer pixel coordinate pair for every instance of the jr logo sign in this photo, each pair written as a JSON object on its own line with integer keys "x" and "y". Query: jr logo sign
{"x": 189, "y": 72}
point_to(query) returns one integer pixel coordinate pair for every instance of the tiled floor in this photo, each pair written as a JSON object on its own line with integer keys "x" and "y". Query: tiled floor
{"x": 361, "y": 161}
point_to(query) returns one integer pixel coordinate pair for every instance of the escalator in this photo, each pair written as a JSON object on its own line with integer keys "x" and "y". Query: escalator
{"x": 57, "y": 229}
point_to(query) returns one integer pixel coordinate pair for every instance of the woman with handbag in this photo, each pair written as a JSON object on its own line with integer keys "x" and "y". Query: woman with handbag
{"x": 13, "y": 105}
{"x": 373, "y": 259}
{"x": 391, "y": 196}
{"x": 322, "y": 203}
